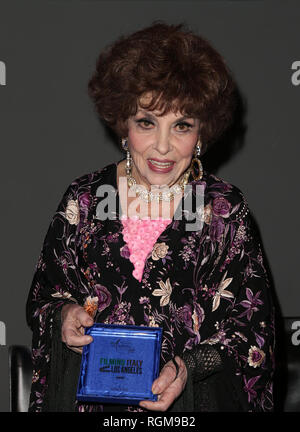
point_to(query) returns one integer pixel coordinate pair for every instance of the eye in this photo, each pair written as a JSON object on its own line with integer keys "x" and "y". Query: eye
{"x": 144, "y": 123}
{"x": 184, "y": 126}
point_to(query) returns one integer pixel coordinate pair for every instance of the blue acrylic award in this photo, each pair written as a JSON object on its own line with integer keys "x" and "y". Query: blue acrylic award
{"x": 120, "y": 365}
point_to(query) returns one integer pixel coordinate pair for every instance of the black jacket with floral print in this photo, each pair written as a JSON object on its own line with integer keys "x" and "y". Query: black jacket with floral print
{"x": 207, "y": 286}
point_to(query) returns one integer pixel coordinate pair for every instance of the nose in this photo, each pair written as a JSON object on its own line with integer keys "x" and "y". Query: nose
{"x": 162, "y": 142}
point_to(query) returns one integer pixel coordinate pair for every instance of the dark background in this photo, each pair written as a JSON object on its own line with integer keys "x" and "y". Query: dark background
{"x": 50, "y": 135}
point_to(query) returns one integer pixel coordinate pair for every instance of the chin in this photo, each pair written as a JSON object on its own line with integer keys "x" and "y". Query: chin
{"x": 161, "y": 180}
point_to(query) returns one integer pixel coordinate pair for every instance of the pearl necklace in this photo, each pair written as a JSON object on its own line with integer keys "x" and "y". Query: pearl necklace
{"x": 166, "y": 194}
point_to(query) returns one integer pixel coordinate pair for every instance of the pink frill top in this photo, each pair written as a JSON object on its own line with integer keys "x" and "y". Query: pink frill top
{"x": 140, "y": 236}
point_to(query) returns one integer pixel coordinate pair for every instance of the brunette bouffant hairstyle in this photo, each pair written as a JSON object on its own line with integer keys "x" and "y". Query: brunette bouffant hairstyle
{"x": 181, "y": 70}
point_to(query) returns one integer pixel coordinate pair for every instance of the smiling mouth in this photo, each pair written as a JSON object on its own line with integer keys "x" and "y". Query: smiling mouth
{"x": 161, "y": 164}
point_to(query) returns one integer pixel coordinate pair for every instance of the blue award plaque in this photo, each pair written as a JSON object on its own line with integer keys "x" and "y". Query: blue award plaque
{"x": 120, "y": 365}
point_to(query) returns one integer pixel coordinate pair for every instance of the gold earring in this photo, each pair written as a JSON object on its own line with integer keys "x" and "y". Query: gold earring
{"x": 197, "y": 161}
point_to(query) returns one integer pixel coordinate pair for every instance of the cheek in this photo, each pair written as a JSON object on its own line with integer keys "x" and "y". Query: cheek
{"x": 138, "y": 144}
{"x": 186, "y": 149}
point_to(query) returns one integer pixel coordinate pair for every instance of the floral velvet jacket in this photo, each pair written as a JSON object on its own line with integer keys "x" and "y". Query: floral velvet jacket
{"x": 207, "y": 286}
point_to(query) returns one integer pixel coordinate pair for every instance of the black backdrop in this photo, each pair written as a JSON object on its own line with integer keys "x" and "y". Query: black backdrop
{"x": 49, "y": 133}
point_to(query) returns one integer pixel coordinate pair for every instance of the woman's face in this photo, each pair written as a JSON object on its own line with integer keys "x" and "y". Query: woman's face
{"x": 161, "y": 147}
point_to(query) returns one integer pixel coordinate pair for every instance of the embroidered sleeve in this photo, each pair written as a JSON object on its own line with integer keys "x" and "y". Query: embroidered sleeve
{"x": 243, "y": 312}
{"x": 55, "y": 282}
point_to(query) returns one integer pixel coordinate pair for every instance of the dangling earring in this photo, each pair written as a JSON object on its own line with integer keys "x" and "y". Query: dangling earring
{"x": 128, "y": 156}
{"x": 197, "y": 161}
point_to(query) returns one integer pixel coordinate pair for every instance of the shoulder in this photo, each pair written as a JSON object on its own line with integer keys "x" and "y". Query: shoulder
{"x": 94, "y": 178}
{"x": 84, "y": 187}
{"x": 223, "y": 198}
{"x": 80, "y": 193}
{"x": 89, "y": 182}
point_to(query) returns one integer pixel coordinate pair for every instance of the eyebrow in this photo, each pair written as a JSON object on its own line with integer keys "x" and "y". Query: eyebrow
{"x": 146, "y": 113}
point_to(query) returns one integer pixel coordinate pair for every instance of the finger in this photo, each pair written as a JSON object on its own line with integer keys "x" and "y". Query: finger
{"x": 72, "y": 338}
{"x": 78, "y": 350}
{"x": 165, "y": 379}
{"x": 165, "y": 399}
{"x": 83, "y": 318}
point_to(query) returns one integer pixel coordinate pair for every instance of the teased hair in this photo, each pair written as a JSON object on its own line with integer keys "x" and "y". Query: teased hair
{"x": 181, "y": 70}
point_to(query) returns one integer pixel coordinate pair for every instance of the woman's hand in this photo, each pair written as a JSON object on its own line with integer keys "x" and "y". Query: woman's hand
{"x": 74, "y": 319}
{"x": 167, "y": 387}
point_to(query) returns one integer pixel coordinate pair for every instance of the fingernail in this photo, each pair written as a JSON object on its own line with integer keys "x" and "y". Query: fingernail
{"x": 155, "y": 389}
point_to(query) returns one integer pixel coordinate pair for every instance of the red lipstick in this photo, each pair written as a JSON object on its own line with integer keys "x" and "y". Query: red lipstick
{"x": 160, "y": 165}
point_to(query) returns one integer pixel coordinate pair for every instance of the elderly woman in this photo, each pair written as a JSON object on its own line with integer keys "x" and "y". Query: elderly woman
{"x": 168, "y": 95}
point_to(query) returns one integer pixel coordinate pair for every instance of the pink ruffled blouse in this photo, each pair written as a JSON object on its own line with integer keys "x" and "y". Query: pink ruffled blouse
{"x": 140, "y": 236}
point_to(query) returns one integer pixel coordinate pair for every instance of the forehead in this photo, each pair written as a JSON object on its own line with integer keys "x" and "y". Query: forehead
{"x": 170, "y": 116}
{"x": 152, "y": 105}
{"x": 144, "y": 101}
